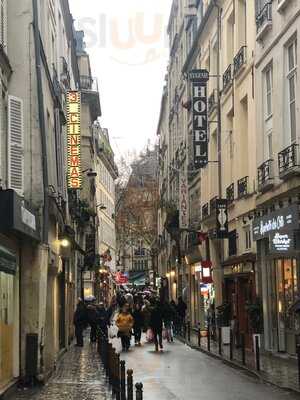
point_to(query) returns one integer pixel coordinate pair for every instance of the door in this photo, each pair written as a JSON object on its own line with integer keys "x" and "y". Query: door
{"x": 280, "y": 306}
{"x": 62, "y": 308}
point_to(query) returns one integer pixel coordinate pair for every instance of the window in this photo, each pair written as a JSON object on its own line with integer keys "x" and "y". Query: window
{"x": 232, "y": 243}
{"x": 248, "y": 239}
{"x": 268, "y": 91}
{"x": 292, "y": 78}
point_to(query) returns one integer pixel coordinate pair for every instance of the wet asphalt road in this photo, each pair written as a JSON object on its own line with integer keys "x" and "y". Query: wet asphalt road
{"x": 179, "y": 373}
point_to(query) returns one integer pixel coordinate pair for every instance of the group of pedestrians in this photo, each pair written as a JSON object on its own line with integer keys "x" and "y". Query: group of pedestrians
{"x": 132, "y": 314}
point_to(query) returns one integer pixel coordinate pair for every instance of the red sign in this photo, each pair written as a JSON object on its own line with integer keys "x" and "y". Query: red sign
{"x": 121, "y": 278}
{"x": 206, "y": 272}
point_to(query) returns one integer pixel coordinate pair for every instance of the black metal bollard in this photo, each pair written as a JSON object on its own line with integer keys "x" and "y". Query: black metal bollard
{"x": 220, "y": 341}
{"x": 117, "y": 376}
{"x": 257, "y": 355}
{"x": 208, "y": 338}
{"x": 129, "y": 384}
{"x": 243, "y": 346}
{"x": 123, "y": 379}
{"x": 188, "y": 331}
{"x": 109, "y": 362}
{"x": 231, "y": 345}
{"x": 139, "y": 391}
{"x": 199, "y": 337}
{"x": 298, "y": 356}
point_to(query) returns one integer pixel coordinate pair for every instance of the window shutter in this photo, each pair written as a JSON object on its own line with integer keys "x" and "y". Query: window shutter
{"x": 3, "y": 23}
{"x": 15, "y": 145}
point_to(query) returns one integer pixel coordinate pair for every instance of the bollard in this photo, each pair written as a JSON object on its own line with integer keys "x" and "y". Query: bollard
{"x": 199, "y": 337}
{"x": 109, "y": 362}
{"x": 231, "y": 345}
{"x": 189, "y": 331}
{"x": 257, "y": 355}
{"x": 129, "y": 384}
{"x": 117, "y": 376}
{"x": 123, "y": 379}
{"x": 208, "y": 338}
{"x": 298, "y": 356}
{"x": 139, "y": 391}
{"x": 243, "y": 345}
{"x": 220, "y": 341}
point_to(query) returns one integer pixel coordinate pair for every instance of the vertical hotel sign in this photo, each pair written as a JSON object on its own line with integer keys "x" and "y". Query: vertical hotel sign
{"x": 73, "y": 133}
{"x": 184, "y": 201}
{"x": 199, "y": 80}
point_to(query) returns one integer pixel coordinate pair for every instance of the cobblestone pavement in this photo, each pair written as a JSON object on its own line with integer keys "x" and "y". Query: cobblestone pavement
{"x": 78, "y": 377}
{"x": 279, "y": 370}
{"x": 182, "y": 373}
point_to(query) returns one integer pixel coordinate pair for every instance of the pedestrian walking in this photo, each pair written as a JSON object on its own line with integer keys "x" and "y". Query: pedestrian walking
{"x": 181, "y": 310}
{"x": 138, "y": 323}
{"x": 80, "y": 322}
{"x": 92, "y": 321}
{"x": 168, "y": 318}
{"x": 102, "y": 320}
{"x": 124, "y": 322}
{"x": 156, "y": 324}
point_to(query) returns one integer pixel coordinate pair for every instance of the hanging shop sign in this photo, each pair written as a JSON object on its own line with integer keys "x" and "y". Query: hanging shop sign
{"x": 282, "y": 242}
{"x": 73, "y": 133}
{"x": 222, "y": 219}
{"x": 183, "y": 201}
{"x": 199, "y": 80}
{"x": 206, "y": 272}
{"x": 284, "y": 219}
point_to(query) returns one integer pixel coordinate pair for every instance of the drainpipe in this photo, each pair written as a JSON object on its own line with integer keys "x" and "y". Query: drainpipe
{"x": 41, "y": 120}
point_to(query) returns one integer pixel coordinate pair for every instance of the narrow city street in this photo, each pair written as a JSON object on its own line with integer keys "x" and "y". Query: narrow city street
{"x": 79, "y": 376}
{"x": 180, "y": 373}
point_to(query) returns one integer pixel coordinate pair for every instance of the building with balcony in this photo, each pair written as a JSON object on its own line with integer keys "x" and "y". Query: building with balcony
{"x": 277, "y": 136}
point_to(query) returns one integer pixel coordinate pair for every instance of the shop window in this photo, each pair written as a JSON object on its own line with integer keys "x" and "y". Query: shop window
{"x": 6, "y": 299}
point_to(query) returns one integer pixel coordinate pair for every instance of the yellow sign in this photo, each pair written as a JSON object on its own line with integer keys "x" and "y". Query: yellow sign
{"x": 73, "y": 133}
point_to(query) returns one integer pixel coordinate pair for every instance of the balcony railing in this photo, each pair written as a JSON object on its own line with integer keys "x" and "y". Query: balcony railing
{"x": 205, "y": 210}
{"x": 242, "y": 187}
{"x": 239, "y": 60}
{"x": 265, "y": 175}
{"x": 212, "y": 102}
{"x": 213, "y": 205}
{"x": 65, "y": 74}
{"x": 230, "y": 193}
{"x": 288, "y": 160}
{"x": 88, "y": 83}
{"x": 227, "y": 77}
{"x": 264, "y": 20}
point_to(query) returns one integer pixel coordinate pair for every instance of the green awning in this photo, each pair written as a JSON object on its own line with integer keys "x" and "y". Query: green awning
{"x": 8, "y": 261}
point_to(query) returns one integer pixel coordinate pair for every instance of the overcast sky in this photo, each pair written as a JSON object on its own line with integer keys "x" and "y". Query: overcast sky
{"x": 127, "y": 42}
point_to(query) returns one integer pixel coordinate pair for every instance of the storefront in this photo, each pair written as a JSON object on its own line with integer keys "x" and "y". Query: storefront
{"x": 240, "y": 292}
{"x": 277, "y": 236}
{"x": 9, "y": 316}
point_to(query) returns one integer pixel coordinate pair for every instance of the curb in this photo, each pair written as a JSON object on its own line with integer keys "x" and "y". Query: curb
{"x": 238, "y": 366}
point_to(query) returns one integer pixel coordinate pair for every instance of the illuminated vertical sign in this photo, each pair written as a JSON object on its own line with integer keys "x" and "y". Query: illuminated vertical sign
{"x": 199, "y": 80}
{"x": 73, "y": 133}
{"x": 183, "y": 201}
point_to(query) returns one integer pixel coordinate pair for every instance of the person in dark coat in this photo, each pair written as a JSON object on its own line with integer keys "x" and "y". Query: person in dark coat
{"x": 156, "y": 324}
{"x": 102, "y": 320}
{"x": 181, "y": 310}
{"x": 80, "y": 322}
{"x": 168, "y": 318}
{"x": 138, "y": 323}
{"x": 92, "y": 320}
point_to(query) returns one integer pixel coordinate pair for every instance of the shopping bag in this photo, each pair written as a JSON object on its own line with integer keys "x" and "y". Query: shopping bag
{"x": 113, "y": 331}
{"x": 165, "y": 334}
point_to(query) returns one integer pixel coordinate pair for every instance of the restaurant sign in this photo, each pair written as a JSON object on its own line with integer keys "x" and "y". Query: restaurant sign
{"x": 73, "y": 134}
{"x": 282, "y": 242}
{"x": 199, "y": 80}
{"x": 284, "y": 219}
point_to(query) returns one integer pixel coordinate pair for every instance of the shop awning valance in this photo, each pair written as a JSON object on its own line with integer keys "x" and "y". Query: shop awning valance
{"x": 8, "y": 261}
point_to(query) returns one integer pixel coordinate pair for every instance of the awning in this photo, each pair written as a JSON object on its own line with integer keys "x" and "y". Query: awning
{"x": 137, "y": 278}
{"x": 8, "y": 261}
{"x": 244, "y": 258}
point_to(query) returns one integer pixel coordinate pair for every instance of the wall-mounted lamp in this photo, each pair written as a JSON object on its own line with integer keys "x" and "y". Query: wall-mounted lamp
{"x": 101, "y": 207}
{"x": 90, "y": 173}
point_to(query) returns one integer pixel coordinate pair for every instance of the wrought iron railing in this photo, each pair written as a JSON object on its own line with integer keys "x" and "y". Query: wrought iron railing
{"x": 264, "y": 16}
{"x": 265, "y": 172}
{"x": 239, "y": 60}
{"x": 242, "y": 187}
{"x": 288, "y": 158}
{"x": 88, "y": 83}
{"x": 227, "y": 77}
{"x": 205, "y": 210}
{"x": 230, "y": 193}
{"x": 65, "y": 74}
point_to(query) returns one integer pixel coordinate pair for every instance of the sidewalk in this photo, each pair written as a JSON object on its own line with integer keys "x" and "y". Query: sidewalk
{"x": 78, "y": 377}
{"x": 280, "y": 371}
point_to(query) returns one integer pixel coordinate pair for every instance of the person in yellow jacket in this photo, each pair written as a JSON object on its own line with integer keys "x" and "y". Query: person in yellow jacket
{"x": 124, "y": 322}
